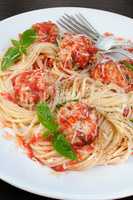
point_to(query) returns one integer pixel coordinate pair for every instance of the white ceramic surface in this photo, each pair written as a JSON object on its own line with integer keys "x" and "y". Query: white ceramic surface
{"x": 99, "y": 183}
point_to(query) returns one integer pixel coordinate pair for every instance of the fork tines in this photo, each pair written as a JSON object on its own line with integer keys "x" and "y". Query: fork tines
{"x": 78, "y": 24}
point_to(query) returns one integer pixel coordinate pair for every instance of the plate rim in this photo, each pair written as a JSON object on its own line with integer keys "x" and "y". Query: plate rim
{"x": 60, "y": 196}
{"x": 66, "y": 7}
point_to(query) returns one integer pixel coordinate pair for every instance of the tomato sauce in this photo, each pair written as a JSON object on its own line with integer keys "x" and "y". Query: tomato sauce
{"x": 47, "y": 31}
{"x": 59, "y": 168}
{"x": 27, "y": 146}
{"x": 8, "y": 96}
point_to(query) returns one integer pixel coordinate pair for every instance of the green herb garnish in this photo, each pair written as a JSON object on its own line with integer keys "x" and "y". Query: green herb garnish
{"x": 60, "y": 144}
{"x": 14, "y": 53}
{"x": 46, "y": 118}
{"x": 63, "y": 147}
{"x": 10, "y": 57}
{"x": 127, "y": 64}
{"x": 46, "y": 134}
{"x": 28, "y": 37}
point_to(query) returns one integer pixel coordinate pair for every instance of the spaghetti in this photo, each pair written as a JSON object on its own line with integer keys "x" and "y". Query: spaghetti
{"x": 90, "y": 96}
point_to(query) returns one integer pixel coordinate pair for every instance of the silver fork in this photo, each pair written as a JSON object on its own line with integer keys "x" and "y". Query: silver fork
{"x": 109, "y": 45}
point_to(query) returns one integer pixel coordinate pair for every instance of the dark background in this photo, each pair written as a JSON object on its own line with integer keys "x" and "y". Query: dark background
{"x": 13, "y": 7}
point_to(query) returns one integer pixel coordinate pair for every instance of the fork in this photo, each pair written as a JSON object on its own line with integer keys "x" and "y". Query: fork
{"x": 109, "y": 45}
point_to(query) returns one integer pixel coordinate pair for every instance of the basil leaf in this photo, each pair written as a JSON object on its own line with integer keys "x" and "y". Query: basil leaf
{"x": 45, "y": 117}
{"x": 20, "y": 47}
{"x": 22, "y": 50}
{"x": 63, "y": 147}
{"x": 15, "y": 43}
{"x": 127, "y": 64}
{"x": 28, "y": 37}
{"x": 46, "y": 134}
{"x": 12, "y": 55}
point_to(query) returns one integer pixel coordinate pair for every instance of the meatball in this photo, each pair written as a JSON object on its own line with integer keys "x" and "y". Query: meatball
{"x": 47, "y": 31}
{"x": 30, "y": 87}
{"x": 112, "y": 72}
{"x": 76, "y": 50}
{"x": 79, "y": 122}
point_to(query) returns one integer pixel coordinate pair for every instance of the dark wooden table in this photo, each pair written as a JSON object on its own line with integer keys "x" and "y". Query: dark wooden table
{"x": 12, "y": 7}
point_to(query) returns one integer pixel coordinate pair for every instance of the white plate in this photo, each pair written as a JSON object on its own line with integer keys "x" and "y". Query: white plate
{"x": 106, "y": 182}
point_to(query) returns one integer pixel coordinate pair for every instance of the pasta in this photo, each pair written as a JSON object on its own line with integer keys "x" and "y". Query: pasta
{"x": 90, "y": 96}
